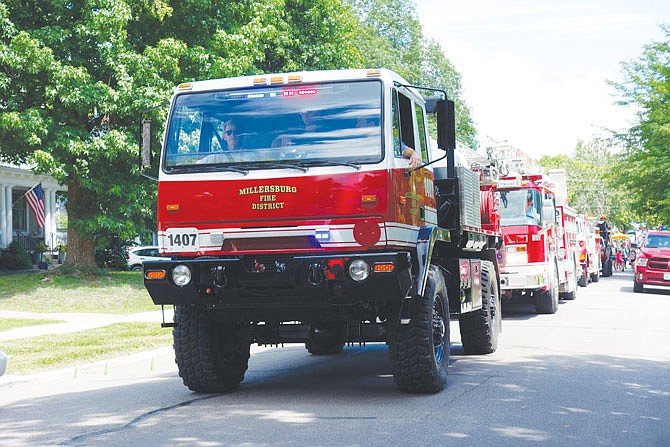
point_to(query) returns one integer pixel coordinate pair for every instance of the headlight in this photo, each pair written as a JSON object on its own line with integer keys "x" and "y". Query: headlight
{"x": 359, "y": 270}
{"x": 642, "y": 262}
{"x": 181, "y": 275}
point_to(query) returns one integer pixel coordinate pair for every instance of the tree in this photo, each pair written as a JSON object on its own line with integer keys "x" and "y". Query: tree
{"x": 391, "y": 37}
{"x": 74, "y": 77}
{"x": 591, "y": 190}
{"x": 643, "y": 167}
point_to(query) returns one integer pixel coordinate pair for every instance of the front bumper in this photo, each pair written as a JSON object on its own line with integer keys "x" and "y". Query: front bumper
{"x": 645, "y": 275}
{"x": 524, "y": 277}
{"x": 271, "y": 281}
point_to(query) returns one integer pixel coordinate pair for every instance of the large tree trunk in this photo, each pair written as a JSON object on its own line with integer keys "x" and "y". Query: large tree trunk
{"x": 80, "y": 251}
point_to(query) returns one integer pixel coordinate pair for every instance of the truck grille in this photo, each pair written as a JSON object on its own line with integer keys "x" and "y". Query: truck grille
{"x": 658, "y": 263}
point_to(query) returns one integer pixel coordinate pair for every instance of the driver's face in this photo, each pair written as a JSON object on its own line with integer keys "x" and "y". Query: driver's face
{"x": 230, "y": 135}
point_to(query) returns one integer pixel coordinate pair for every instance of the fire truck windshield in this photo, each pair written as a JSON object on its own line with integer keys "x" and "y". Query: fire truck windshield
{"x": 520, "y": 207}
{"x": 258, "y": 127}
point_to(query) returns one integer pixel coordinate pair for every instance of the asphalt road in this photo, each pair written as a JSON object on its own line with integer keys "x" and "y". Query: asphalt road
{"x": 597, "y": 373}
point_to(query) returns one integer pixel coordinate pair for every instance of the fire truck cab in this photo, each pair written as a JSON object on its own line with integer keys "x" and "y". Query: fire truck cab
{"x": 291, "y": 215}
{"x": 533, "y": 263}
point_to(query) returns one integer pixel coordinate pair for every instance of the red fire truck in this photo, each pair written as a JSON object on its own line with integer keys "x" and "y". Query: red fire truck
{"x": 537, "y": 263}
{"x": 292, "y": 216}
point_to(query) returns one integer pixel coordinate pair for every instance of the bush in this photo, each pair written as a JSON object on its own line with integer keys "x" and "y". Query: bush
{"x": 113, "y": 256}
{"x": 15, "y": 258}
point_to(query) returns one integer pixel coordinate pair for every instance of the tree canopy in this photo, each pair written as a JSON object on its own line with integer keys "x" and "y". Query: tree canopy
{"x": 644, "y": 166}
{"x": 75, "y": 76}
{"x": 591, "y": 187}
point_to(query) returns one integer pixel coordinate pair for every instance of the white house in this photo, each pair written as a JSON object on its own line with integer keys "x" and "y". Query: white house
{"x": 17, "y": 220}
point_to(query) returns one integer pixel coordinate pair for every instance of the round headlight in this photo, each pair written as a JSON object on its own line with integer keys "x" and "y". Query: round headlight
{"x": 359, "y": 270}
{"x": 181, "y": 275}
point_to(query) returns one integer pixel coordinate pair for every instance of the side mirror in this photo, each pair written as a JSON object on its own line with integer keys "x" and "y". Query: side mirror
{"x": 145, "y": 154}
{"x": 446, "y": 124}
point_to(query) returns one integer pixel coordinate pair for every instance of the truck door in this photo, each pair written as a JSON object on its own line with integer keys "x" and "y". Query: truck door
{"x": 414, "y": 193}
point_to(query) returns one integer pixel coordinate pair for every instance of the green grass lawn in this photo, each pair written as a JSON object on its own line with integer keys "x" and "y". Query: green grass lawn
{"x": 54, "y": 292}
{"x": 50, "y": 292}
{"x": 46, "y": 352}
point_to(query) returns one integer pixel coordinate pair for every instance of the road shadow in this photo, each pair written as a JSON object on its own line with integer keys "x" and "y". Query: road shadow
{"x": 291, "y": 398}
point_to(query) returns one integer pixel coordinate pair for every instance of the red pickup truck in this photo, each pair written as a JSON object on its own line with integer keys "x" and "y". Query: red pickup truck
{"x": 652, "y": 264}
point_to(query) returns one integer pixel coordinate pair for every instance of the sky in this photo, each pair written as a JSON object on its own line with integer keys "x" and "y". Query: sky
{"x": 534, "y": 72}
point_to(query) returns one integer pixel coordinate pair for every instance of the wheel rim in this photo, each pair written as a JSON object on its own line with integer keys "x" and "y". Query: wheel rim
{"x": 439, "y": 329}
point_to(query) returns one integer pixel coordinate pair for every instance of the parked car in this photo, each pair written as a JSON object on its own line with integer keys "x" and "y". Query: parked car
{"x": 652, "y": 261}
{"x": 137, "y": 255}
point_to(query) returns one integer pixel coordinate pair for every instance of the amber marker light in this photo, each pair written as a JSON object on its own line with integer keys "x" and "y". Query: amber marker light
{"x": 172, "y": 207}
{"x": 155, "y": 274}
{"x": 277, "y": 80}
{"x": 383, "y": 267}
{"x": 294, "y": 78}
{"x": 260, "y": 81}
{"x": 369, "y": 199}
{"x": 185, "y": 86}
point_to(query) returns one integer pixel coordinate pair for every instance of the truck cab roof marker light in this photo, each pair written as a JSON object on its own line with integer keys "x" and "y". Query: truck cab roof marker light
{"x": 293, "y": 79}
{"x": 185, "y": 86}
{"x": 172, "y": 207}
{"x": 260, "y": 81}
{"x": 374, "y": 72}
{"x": 276, "y": 80}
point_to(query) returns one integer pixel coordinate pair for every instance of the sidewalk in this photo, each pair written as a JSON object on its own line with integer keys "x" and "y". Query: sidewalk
{"x": 72, "y": 322}
{"x": 141, "y": 365}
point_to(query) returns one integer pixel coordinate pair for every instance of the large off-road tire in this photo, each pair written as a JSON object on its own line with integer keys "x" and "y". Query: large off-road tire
{"x": 546, "y": 301}
{"x": 212, "y": 357}
{"x": 480, "y": 329}
{"x": 326, "y": 338}
{"x": 419, "y": 351}
{"x": 638, "y": 287}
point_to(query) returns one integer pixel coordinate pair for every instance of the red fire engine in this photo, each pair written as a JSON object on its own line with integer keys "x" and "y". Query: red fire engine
{"x": 291, "y": 216}
{"x": 538, "y": 261}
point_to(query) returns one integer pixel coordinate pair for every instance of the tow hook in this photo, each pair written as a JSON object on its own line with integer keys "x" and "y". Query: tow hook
{"x": 315, "y": 276}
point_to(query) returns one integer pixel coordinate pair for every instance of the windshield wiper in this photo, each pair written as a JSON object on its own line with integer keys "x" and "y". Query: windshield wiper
{"x": 287, "y": 165}
{"x": 351, "y": 164}
{"x": 208, "y": 168}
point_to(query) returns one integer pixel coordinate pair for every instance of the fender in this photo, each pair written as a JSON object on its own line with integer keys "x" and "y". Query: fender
{"x": 425, "y": 244}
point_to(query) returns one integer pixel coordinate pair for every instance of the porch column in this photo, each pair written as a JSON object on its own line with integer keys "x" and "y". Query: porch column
{"x": 3, "y": 218}
{"x": 8, "y": 214}
{"x": 47, "y": 217}
{"x": 52, "y": 219}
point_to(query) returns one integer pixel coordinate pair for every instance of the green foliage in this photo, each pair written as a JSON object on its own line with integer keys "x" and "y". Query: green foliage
{"x": 643, "y": 166}
{"x": 592, "y": 188}
{"x": 390, "y": 36}
{"x": 15, "y": 258}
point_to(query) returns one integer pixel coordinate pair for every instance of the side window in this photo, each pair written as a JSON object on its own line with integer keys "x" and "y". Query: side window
{"x": 422, "y": 146}
{"x": 396, "y": 126}
{"x": 403, "y": 123}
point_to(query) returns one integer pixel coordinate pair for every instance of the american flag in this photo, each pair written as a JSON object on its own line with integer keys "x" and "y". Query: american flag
{"x": 35, "y": 198}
